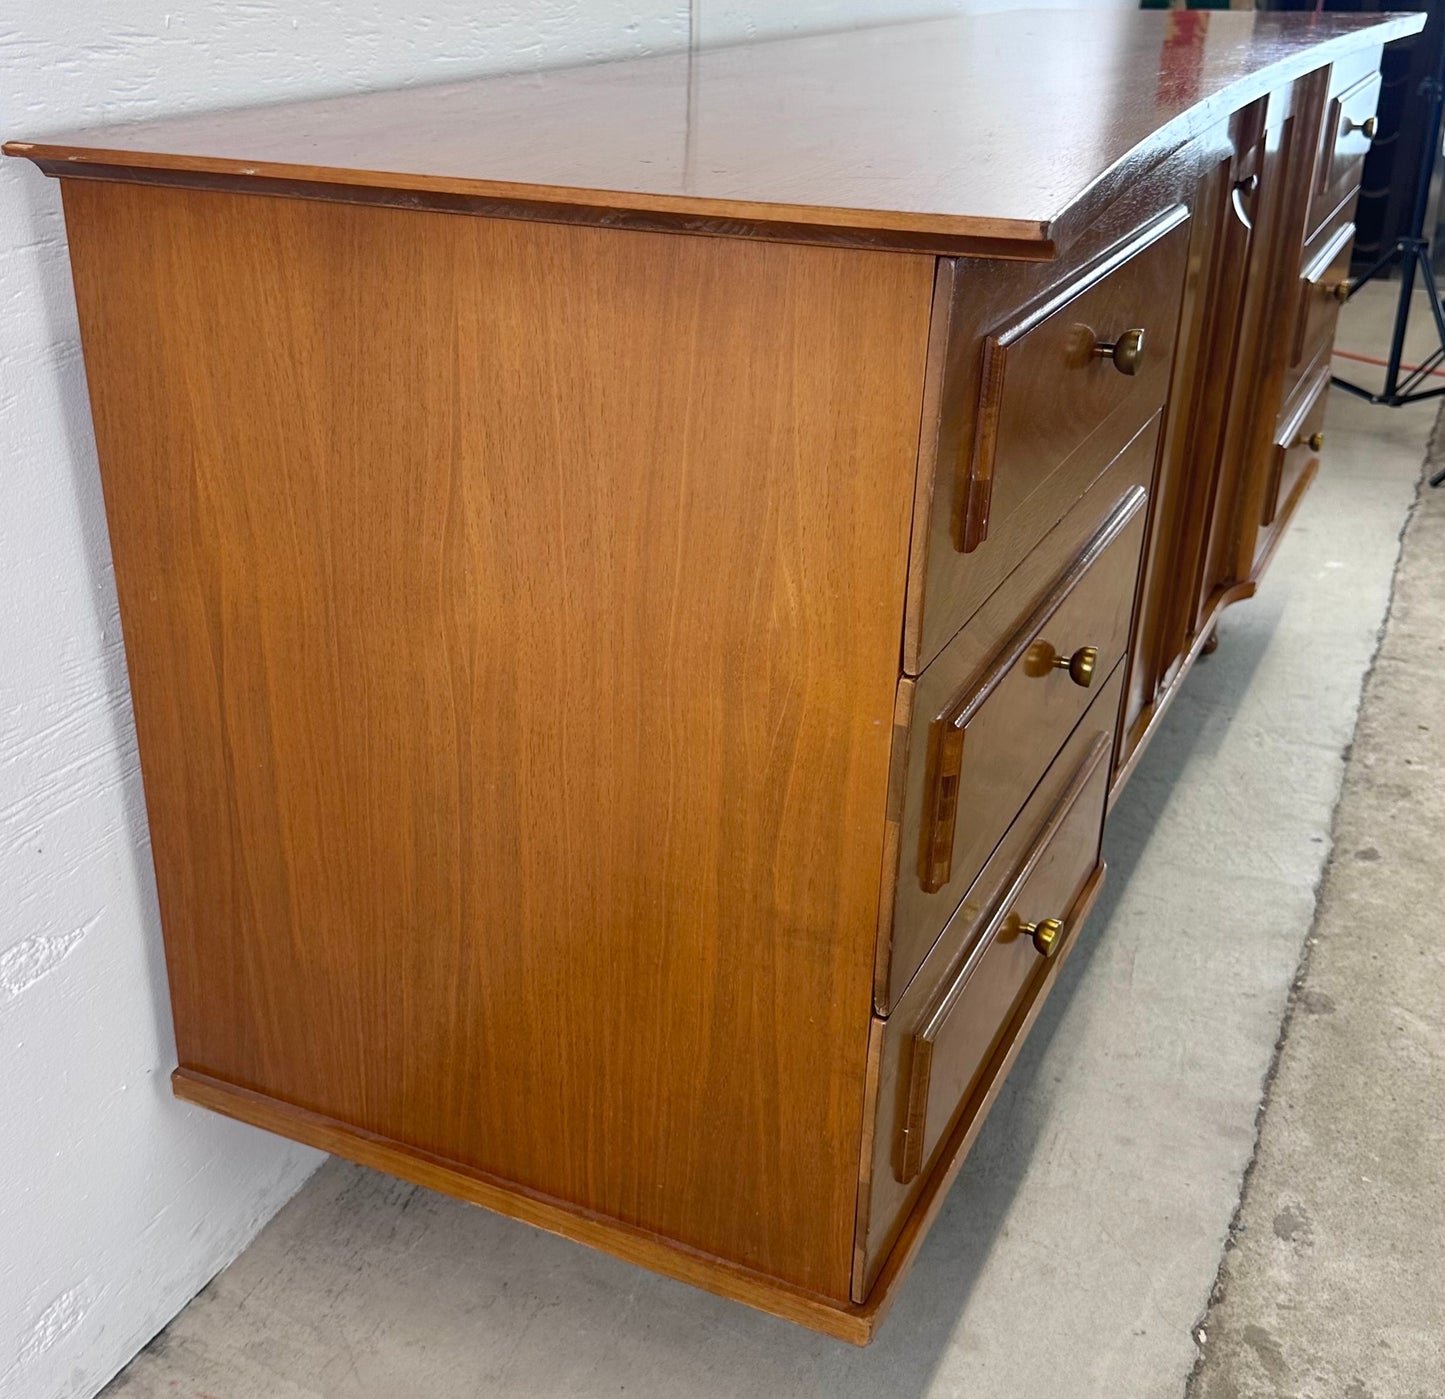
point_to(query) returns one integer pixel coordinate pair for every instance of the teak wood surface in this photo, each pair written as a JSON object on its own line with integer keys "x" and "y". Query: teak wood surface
{"x": 1006, "y": 132}
{"x": 535, "y": 610}
{"x": 512, "y": 613}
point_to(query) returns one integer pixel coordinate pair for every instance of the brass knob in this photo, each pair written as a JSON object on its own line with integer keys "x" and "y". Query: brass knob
{"x": 1080, "y": 665}
{"x": 1341, "y": 290}
{"x": 1127, "y": 352}
{"x": 1315, "y": 442}
{"x": 1366, "y": 128}
{"x": 1047, "y": 934}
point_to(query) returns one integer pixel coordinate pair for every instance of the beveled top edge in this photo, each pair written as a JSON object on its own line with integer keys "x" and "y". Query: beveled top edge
{"x": 987, "y": 128}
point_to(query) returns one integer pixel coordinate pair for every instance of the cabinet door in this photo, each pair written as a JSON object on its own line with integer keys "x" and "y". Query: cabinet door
{"x": 1264, "y": 346}
{"x": 1168, "y": 613}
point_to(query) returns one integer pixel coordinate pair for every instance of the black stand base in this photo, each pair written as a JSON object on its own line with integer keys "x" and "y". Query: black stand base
{"x": 1413, "y": 257}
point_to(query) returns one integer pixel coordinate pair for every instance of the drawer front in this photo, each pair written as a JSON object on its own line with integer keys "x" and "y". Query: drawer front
{"x": 1297, "y": 446}
{"x": 1322, "y": 288}
{"x": 950, "y": 1048}
{"x": 989, "y": 714}
{"x": 946, "y": 1046}
{"x": 1345, "y": 139}
{"x": 1075, "y": 380}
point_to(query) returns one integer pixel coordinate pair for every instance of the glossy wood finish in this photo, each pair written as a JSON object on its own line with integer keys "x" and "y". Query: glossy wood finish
{"x": 935, "y": 135}
{"x": 1221, "y": 229}
{"x": 912, "y": 918}
{"x": 974, "y": 301}
{"x": 1076, "y": 782}
{"x": 537, "y": 629}
{"x": 1048, "y": 388}
{"x": 1297, "y": 446}
{"x": 948, "y": 1050}
{"x": 988, "y": 716}
{"x": 1321, "y": 287}
{"x": 1344, "y": 136}
{"x": 512, "y": 613}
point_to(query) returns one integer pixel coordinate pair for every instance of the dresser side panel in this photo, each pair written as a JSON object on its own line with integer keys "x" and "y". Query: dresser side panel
{"x": 513, "y": 615}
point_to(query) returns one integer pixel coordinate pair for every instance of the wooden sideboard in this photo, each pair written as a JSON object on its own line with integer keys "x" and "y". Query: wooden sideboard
{"x": 642, "y": 582}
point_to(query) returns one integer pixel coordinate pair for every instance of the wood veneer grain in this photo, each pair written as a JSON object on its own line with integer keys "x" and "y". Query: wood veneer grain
{"x": 512, "y": 612}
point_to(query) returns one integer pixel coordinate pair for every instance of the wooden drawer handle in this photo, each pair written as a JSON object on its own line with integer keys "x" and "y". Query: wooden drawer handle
{"x": 1048, "y": 935}
{"x": 1080, "y": 665}
{"x": 1126, "y": 353}
{"x": 1366, "y": 128}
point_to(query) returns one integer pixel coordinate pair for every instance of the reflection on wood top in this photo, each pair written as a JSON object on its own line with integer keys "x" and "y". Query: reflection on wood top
{"x": 926, "y": 134}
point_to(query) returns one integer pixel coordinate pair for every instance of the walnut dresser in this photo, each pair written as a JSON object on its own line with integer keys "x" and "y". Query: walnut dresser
{"x": 642, "y": 582}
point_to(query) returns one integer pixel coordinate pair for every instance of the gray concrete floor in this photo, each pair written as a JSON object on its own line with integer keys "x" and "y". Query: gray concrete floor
{"x": 1076, "y": 1254}
{"x": 1334, "y": 1280}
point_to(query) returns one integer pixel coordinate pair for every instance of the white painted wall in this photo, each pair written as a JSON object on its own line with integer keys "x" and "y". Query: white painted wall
{"x": 116, "y": 1202}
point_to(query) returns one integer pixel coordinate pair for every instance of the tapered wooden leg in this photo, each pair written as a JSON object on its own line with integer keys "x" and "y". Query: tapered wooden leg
{"x": 1211, "y": 644}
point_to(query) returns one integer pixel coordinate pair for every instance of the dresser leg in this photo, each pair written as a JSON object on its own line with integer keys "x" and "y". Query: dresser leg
{"x": 1211, "y": 644}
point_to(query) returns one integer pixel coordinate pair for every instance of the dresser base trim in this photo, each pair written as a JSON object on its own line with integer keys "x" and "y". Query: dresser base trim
{"x": 854, "y": 1324}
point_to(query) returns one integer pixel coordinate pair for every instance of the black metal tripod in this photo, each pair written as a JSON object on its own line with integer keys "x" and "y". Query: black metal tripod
{"x": 1412, "y": 254}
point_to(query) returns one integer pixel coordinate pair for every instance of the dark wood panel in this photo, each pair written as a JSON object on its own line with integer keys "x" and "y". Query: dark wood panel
{"x": 512, "y": 612}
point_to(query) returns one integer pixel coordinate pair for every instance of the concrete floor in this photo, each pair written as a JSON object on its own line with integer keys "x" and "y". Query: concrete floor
{"x": 1334, "y": 1281}
{"x": 1076, "y": 1254}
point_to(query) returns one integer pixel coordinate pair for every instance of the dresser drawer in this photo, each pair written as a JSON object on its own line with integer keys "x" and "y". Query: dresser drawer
{"x": 1323, "y": 286}
{"x": 1071, "y": 383}
{"x": 963, "y": 1023}
{"x": 1345, "y": 138}
{"x": 1297, "y": 445}
{"x": 946, "y": 1046}
{"x": 986, "y": 718}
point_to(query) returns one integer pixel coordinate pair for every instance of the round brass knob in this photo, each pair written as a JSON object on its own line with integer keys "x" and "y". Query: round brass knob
{"x": 1315, "y": 442}
{"x": 1047, "y": 933}
{"x": 1341, "y": 290}
{"x": 1080, "y": 665}
{"x": 1127, "y": 352}
{"x": 1366, "y": 128}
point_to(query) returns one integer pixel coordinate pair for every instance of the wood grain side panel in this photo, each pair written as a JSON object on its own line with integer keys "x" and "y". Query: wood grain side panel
{"x": 847, "y": 1323}
{"x": 512, "y": 612}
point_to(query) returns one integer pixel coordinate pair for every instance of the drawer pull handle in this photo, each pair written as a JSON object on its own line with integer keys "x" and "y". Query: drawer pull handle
{"x": 1080, "y": 665}
{"x": 1244, "y": 189}
{"x": 1340, "y": 290}
{"x": 1315, "y": 442}
{"x": 1366, "y": 128}
{"x": 1127, "y": 352}
{"x": 1047, "y": 934}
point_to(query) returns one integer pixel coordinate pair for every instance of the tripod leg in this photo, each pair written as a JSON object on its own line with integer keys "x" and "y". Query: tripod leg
{"x": 1385, "y": 260}
{"x": 1408, "y": 263}
{"x": 1432, "y": 290}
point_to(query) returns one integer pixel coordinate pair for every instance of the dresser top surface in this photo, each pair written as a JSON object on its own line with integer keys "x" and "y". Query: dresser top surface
{"x": 985, "y": 128}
